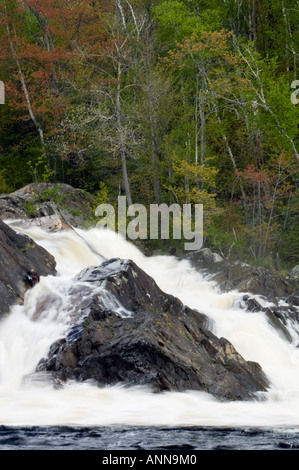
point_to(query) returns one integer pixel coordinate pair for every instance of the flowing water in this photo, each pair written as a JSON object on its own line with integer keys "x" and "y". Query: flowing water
{"x": 35, "y": 414}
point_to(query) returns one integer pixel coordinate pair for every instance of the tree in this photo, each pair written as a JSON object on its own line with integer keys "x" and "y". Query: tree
{"x": 203, "y": 65}
{"x": 269, "y": 98}
{"x": 39, "y": 46}
{"x": 271, "y": 187}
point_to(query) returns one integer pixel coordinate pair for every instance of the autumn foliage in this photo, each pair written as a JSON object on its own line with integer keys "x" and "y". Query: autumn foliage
{"x": 163, "y": 101}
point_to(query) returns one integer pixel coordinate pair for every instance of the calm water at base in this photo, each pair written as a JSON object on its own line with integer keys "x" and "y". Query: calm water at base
{"x": 146, "y": 438}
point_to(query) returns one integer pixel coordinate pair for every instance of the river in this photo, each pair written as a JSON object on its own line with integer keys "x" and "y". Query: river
{"x": 34, "y": 414}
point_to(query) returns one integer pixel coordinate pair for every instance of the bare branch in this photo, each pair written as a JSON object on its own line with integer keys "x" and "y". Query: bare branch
{"x": 119, "y": 5}
{"x": 138, "y": 29}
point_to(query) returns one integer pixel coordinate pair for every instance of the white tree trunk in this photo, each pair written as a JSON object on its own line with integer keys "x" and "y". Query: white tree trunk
{"x": 25, "y": 89}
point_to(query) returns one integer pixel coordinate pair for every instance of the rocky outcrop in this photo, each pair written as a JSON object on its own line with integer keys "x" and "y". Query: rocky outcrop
{"x": 127, "y": 330}
{"x": 278, "y": 317}
{"x": 49, "y": 223}
{"x": 42, "y": 200}
{"x": 266, "y": 290}
{"x": 243, "y": 277}
{"x": 22, "y": 261}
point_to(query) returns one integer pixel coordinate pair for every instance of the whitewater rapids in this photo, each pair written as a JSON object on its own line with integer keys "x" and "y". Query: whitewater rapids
{"x": 30, "y": 399}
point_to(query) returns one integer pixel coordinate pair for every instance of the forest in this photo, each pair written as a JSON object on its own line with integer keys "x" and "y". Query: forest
{"x": 161, "y": 101}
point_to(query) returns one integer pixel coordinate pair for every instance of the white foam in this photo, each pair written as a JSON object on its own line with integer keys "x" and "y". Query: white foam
{"x": 28, "y": 332}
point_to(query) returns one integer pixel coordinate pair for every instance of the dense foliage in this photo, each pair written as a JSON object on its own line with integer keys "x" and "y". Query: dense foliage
{"x": 162, "y": 101}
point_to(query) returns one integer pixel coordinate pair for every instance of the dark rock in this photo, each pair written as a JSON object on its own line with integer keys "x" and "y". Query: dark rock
{"x": 12, "y": 207}
{"x": 129, "y": 331}
{"x": 268, "y": 285}
{"x": 31, "y": 278}
{"x": 22, "y": 261}
{"x": 277, "y": 317}
{"x": 243, "y": 277}
{"x": 204, "y": 259}
{"x": 256, "y": 280}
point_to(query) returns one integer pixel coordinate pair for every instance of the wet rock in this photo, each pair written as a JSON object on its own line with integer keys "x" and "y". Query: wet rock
{"x": 267, "y": 290}
{"x": 277, "y": 317}
{"x": 22, "y": 261}
{"x": 49, "y": 223}
{"x": 243, "y": 277}
{"x": 132, "y": 332}
{"x": 205, "y": 259}
{"x": 31, "y": 278}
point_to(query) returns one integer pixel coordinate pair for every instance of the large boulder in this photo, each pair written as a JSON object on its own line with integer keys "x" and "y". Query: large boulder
{"x": 39, "y": 200}
{"x": 256, "y": 280}
{"x": 22, "y": 261}
{"x": 125, "y": 329}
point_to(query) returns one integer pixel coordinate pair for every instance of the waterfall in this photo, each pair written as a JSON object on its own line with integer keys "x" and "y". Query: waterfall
{"x": 46, "y": 315}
